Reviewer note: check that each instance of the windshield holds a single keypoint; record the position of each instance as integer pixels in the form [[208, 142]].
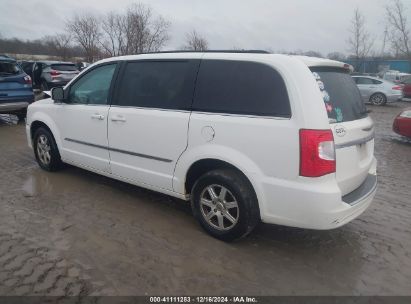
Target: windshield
[[342, 98], [64, 67], [9, 68]]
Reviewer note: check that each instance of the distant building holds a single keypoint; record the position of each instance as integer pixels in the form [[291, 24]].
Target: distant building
[[379, 65]]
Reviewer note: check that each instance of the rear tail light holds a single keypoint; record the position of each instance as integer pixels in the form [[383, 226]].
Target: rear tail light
[[54, 73], [397, 88], [317, 153], [27, 79]]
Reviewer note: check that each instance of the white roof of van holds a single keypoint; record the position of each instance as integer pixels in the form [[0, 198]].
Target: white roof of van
[[309, 61]]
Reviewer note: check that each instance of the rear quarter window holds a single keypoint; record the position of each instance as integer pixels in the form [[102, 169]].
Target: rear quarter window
[[341, 96], [240, 87]]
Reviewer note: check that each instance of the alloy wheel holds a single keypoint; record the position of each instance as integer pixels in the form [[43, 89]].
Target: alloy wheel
[[43, 150], [219, 207]]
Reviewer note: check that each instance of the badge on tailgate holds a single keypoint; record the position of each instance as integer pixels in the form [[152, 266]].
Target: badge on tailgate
[[340, 130]]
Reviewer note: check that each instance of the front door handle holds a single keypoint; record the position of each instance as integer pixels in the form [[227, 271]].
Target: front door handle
[[118, 118], [97, 116]]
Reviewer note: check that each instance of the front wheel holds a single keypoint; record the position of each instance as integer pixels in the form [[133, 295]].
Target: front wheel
[[225, 205], [378, 99], [46, 151]]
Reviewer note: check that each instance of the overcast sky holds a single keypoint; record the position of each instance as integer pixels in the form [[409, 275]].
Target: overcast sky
[[288, 25]]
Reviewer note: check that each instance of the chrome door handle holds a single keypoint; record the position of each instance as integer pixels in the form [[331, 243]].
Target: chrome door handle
[[97, 116], [118, 118]]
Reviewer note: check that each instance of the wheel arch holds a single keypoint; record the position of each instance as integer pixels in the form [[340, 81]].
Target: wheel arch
[[202, 166], [38, 122]]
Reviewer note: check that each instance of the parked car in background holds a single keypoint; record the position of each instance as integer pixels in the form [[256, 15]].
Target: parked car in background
[[395, 76], [16, 91], [406, 89], [378, 91], [402, 123], [82, 65], [50, 74], [27, 66], [244, 136]]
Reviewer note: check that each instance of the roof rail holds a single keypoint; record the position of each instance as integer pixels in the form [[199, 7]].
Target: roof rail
[[212, 51]]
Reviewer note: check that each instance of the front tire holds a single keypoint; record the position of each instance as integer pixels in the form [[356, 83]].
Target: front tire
[[378, 99], [224, 203], [46, 151]]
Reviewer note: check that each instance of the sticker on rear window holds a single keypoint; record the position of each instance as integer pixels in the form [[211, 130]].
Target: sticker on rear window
[[321, 85], [316, 76]]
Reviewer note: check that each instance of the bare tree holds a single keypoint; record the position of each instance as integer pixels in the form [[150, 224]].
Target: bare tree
[[136, 31], [85, 29], [195, 42], [336, 56], [400, 34], [360, 41], [113, 36], [313, 54], [59, 45]]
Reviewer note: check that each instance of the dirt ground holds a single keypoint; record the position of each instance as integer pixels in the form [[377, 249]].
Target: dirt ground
[[77, 233]]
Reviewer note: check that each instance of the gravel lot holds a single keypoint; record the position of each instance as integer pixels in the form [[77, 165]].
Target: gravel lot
[[77, 233]]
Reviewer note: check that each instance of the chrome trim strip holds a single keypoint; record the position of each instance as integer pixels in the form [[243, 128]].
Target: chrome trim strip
[[355, 142], [119, 151]]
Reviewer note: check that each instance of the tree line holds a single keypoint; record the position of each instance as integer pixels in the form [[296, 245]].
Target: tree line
[[396, 39], [134, 31], [138, 29]]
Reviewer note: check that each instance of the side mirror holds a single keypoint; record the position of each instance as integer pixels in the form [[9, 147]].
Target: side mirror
[[57, 94]]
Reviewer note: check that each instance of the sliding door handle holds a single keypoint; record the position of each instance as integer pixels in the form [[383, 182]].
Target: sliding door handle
[[118, 118], [97, 116]]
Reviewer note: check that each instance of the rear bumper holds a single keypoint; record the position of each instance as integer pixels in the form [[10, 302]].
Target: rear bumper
[[402, 126], [394, 97], [14, 105], [317, 206], [55, 83]]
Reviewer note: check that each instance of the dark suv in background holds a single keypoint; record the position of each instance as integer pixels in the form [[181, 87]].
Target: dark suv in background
[[50, 74], [16, 91]]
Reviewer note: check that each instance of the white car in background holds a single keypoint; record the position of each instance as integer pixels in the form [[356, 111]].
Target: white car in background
[[378, 91], [244, 136]]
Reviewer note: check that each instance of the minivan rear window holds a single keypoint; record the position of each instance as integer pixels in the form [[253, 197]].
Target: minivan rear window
[[241, 87], [340, 93], [64, 67], [9, 68]]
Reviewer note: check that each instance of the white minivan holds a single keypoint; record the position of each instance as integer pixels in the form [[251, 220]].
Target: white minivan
[[245, 136]]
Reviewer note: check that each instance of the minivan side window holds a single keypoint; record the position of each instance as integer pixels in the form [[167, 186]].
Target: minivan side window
[[241, 87], [158, 84], [93, 87]]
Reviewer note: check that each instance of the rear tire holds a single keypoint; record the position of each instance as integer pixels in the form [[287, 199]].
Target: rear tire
[[378, 99], [46, 151], [44, 86], [224, 203]]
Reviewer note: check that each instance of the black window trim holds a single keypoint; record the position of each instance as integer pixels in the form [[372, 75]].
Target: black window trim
[[112, 84], [120, 76], [246, 115]]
